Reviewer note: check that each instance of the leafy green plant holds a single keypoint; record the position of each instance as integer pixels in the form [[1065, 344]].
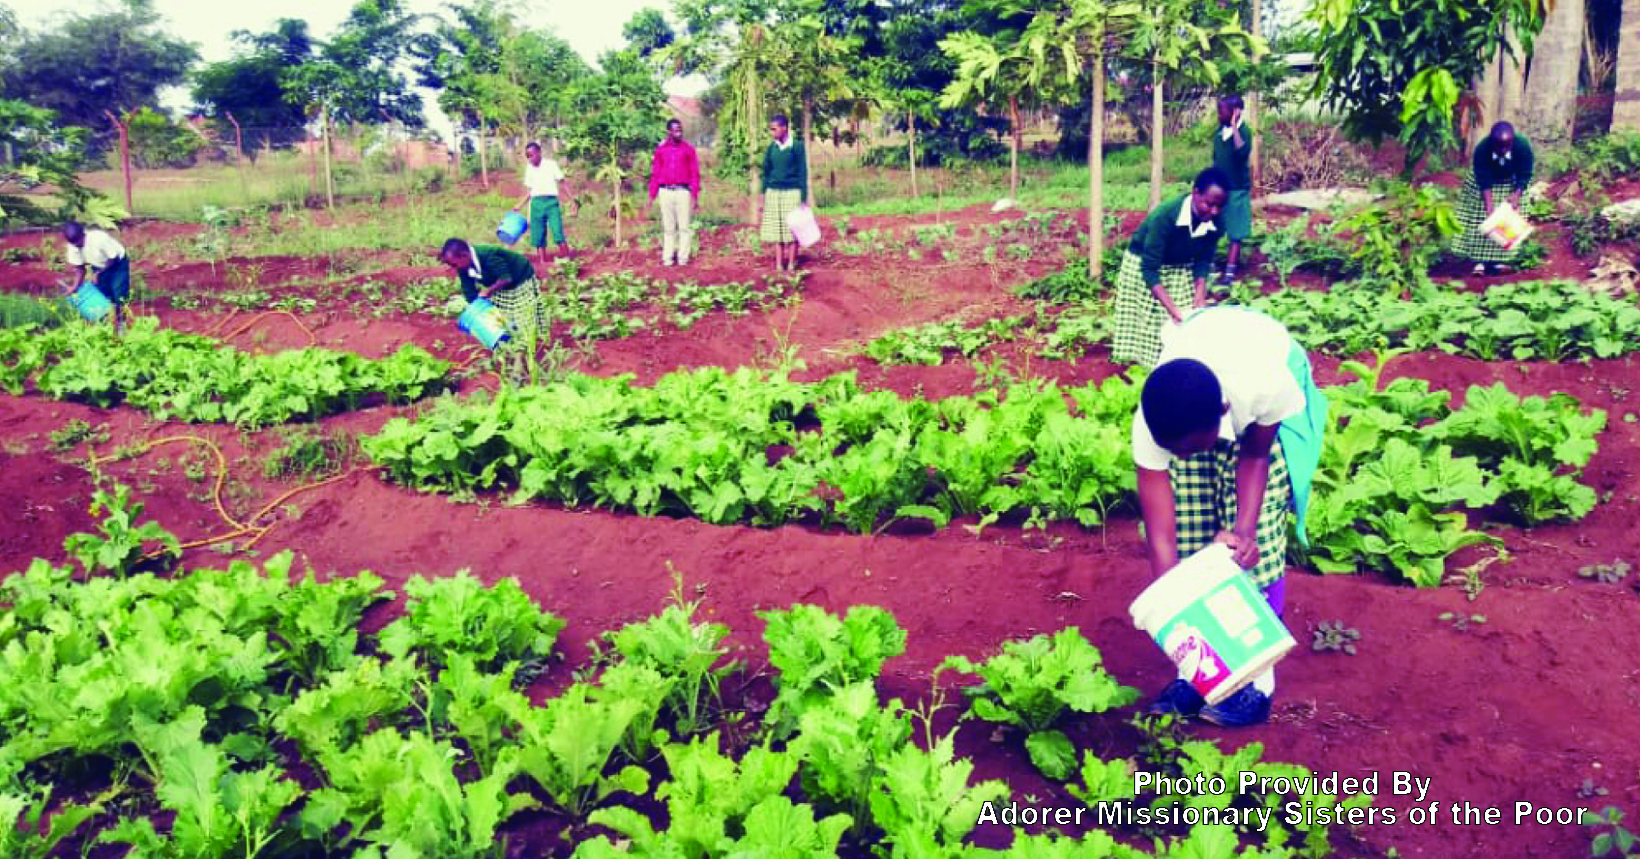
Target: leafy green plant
[[1031, 684], [1611, 838], [684, 651], [308, 453], [1538, 445], [118, 545], [28, 841], [1334, 635], [1461, 621], [457, 614], [818, 653], [1394, 243], [923, 800]]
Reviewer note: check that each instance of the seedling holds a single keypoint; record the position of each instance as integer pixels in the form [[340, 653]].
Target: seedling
[[1611, 839], [1606, 574], [76, 432], [1460, 621], [1334, 635], [1589, 790]]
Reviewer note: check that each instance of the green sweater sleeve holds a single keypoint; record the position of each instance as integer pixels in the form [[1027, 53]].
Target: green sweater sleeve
[[768, 166], [1481, 163], [1525, 161], [469, 288], [1153, 245], [518, 267]]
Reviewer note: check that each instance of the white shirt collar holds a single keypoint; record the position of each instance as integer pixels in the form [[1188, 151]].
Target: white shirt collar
[[476, 271], [784, 144], [1229, 131], [1196, 230]]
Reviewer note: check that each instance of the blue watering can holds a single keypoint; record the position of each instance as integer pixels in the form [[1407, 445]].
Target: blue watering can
[[90, 302], [513, 227], [484, 321]]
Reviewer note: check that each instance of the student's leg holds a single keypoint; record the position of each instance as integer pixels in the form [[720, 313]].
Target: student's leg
[[669, 226], [538, 227], [1195, 481], [768, 231], [1232, 258], [114, 282], [555, 222]]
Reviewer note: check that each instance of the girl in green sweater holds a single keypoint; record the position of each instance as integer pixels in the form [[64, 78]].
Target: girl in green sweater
[[1164, 270], [785, 188]]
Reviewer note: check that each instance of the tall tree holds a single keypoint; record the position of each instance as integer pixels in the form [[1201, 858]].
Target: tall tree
[[817, 74], [1626, 107], [1174, 39], [359, 74], [37, 152], [1394, 67], [648, 32], [113, 60], [1551, 86], [993, 70], [616, 114], [248, 86]]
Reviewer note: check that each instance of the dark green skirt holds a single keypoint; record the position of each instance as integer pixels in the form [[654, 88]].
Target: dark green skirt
[[1238, 215]]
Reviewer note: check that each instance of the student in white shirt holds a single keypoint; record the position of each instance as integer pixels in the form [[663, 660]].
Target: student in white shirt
[[1226, 441], [95, 251], [543, 184]]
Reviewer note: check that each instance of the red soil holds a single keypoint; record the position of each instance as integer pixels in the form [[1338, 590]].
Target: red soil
[[1521, 708]]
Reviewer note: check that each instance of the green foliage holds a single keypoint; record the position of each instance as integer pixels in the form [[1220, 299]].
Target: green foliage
[[309, 453], [1032, 684], [43, 152], [923, 801], [1396, 242], [157, 141], [457, 615], [1544, 320], [118, 546], [1395, 69], [357, 76], [1609, 574], [685, 652], [697, 443], [77, 432], [1334, 635], [929, 344], [1069, 285], [818, 654], [172, 375], [19, 310], [247, 85], [1611, 838]]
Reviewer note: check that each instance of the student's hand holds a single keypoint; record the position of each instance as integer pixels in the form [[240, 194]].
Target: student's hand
[[1243, 547], [1235, 117], [1514, 200]]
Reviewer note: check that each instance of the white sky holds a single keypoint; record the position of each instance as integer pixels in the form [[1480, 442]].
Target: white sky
[[591, 28]]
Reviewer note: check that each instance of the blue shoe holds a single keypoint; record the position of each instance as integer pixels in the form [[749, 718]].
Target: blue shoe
[[1178, 697], [1247, 707]]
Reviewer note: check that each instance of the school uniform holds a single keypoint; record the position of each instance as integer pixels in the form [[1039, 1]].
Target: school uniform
[[1504, 174], [520, 303], [785, 187], [1173, 249], [674, 181], [105, 256], [1265, 379], [1236, 162], [545, 212]]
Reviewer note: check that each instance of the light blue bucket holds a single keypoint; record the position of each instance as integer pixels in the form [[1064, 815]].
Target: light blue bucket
[[513, 227], [90, 302], [484, 321]]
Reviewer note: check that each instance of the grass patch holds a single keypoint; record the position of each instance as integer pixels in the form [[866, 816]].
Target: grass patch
[[19, 310], [77, 432], [307, 453]]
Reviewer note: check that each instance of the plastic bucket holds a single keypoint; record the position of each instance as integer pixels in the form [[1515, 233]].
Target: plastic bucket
[[803, 225], [513, 227], [1214, 624], [1506, 227], [90, 302], [484, 321]]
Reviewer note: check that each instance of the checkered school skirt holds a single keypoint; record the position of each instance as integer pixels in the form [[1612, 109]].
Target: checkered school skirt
[[521, 307], [1137, 334], [1469, 243], [1204, 503], [777, 204]]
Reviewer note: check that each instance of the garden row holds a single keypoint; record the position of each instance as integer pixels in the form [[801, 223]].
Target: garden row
[[1542, 320], [187, 377], [239, 712], [1399, 469]]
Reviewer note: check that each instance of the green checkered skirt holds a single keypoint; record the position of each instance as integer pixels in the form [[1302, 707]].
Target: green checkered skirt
[[1238, 215], [1137, 334], [1469, 243], [1204, 503], [777, 204], [521, 307]]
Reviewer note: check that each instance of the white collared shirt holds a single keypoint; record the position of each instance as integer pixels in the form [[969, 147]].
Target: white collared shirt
[[100, 249], [1229, 131], [542, 179], [1196, 230], [784, 144], [476, 272], [1248, 352]]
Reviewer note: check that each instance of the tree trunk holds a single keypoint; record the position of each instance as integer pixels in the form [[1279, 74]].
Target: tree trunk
[[1254, 102], [483, 159], [617, 184], [1488, 95], [751, 104], [1626, 108], [1096, 171], [330, 179], [313, 165], [808, 143], [1512, 80], [1156, 134], [1013, 157], [1551, 91], [911, 137]]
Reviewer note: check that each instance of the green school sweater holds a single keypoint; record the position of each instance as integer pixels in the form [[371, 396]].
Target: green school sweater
[[785, 169], [495, 263], [1517, 170], [1160, 241], [1235, 161]]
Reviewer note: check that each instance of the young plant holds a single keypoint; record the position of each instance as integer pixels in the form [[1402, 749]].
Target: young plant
[[76, 432], [1334, 635], [1461, 621], [1031, 684], [1611, 838], [118, 546], [459, 615], [818, 654], [685, 652], [1606, 574]]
